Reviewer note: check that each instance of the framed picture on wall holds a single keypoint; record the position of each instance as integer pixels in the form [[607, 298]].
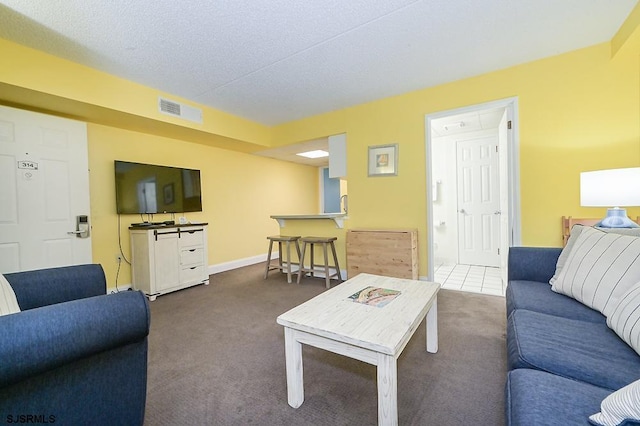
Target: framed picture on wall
[[383, 160]]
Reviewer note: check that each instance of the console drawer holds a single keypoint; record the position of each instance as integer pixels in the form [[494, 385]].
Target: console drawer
[[191, 237], [192, 256], [192, 275]]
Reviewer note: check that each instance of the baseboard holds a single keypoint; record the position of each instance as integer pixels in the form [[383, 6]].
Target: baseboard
[[247, 261], [239, 263], [235, 264]]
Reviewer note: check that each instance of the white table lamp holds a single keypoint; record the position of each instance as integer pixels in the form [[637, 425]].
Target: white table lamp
[[614, 187]]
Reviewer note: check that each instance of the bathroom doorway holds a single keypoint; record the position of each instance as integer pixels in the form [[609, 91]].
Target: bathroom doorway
[[473, 206]]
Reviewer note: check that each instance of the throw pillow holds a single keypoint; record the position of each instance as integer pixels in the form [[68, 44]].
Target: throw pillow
[[8, 301], [623, 404], [576, 230], [625, 318], [600, 268]]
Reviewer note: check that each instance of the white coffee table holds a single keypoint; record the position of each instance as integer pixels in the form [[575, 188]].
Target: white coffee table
[[372, 334]]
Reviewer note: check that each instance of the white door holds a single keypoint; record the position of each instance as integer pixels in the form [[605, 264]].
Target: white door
[[478, 202], [44, 186]]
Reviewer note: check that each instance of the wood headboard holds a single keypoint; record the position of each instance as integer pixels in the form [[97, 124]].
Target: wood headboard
[[569, 221]]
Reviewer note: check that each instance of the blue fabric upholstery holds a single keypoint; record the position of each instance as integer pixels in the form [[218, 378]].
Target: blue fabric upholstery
[[563, 358], [108, 388], [81, 361], [532, 263], [537, 398], [43, 287], [538, 297], [66, 333], [579, 350]]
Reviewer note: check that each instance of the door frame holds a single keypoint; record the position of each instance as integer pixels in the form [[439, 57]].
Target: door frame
[[512, 154]]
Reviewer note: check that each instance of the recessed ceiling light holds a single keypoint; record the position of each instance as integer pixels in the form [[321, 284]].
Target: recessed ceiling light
[[318, 153]]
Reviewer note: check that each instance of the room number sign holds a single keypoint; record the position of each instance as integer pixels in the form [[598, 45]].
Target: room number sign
[[27, 169], [28, 165]]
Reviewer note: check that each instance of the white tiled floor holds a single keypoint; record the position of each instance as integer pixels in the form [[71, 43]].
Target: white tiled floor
[[476, 279]]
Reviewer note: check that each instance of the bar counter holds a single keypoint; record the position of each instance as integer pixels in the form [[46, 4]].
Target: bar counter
[[338, 218], [317, 225]]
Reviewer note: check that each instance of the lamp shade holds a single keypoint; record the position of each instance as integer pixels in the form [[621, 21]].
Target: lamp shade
[[609, 188]]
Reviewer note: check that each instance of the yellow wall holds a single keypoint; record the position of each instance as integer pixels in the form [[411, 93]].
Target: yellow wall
[[626, 41], [38, 80], [577, 111], [240, 192]]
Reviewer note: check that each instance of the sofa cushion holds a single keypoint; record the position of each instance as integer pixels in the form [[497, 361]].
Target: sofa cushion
[[538, 296], [576, 230], [64, 333], [622, 405], [532, 263], [625, 319], [538, 398], [8, 301], [600, 268], [49, 286], [585, 351]]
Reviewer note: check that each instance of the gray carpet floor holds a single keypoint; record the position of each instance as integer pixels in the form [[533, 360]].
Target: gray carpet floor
[[216, 357]]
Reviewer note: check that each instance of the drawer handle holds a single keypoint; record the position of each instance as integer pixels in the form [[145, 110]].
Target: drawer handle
[[193, 267], [192, 250]]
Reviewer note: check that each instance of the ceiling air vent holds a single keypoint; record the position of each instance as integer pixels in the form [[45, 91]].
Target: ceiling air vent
[[177, 109]]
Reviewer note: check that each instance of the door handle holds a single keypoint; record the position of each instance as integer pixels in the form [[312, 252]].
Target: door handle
[[497, 212], [463, 211], [82, 227]]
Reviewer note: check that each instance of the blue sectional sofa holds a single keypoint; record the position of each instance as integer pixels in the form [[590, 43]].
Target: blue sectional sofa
[[73, 355], [563, 358]]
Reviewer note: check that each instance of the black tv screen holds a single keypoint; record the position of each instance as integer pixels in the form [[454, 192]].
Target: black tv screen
[[149, 189]]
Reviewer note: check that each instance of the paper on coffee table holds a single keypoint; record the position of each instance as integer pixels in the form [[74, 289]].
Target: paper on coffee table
[[374, 296]]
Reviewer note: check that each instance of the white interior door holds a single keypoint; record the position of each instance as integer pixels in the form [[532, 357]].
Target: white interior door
[[478, 184], [44, 186]]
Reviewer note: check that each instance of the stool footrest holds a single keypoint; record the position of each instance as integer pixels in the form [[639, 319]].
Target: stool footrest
[[323, 268], [283, 268], [307, 271]]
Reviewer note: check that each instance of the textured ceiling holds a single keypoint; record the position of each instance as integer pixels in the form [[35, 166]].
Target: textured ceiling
[[273, 61]]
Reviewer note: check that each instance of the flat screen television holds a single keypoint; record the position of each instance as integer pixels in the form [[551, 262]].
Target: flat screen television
[[149, 189]]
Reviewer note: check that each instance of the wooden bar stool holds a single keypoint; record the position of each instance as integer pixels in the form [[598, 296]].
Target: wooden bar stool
[[325, 241], [282, 239]]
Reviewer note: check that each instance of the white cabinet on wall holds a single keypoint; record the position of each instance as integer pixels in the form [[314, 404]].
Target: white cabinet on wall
[[338, 156], [168, 258]]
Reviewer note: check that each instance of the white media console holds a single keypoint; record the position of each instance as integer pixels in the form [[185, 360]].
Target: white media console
[[167, 258]]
